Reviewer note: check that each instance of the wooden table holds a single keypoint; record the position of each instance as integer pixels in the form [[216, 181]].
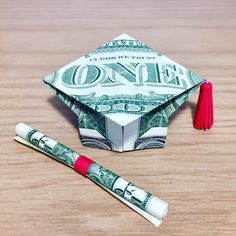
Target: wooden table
[[196, 171]]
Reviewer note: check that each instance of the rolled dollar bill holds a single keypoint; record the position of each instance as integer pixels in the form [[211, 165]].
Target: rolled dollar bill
[[143, 202]]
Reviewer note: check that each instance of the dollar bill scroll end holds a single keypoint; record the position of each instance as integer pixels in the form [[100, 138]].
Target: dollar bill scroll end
[[39, 141], [143, 200], [157, 207], [23, 130]]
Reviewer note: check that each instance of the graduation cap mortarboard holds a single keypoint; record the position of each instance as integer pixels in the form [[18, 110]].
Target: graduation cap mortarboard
[[124, 93]]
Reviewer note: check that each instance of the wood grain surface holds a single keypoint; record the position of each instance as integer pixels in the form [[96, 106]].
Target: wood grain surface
[[196, 171]]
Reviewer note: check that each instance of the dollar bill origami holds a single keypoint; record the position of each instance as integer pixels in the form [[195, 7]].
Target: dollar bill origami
[[123, 93]]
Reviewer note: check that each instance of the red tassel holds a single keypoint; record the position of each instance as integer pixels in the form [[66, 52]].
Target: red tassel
[[203, 117]]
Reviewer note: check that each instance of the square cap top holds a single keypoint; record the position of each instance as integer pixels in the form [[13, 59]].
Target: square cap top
[[123, 76]]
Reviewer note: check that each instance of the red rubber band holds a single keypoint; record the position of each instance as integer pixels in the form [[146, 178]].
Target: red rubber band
[[82, 164]]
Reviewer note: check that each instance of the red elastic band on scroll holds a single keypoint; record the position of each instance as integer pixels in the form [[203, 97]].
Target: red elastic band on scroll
[[82, 164]]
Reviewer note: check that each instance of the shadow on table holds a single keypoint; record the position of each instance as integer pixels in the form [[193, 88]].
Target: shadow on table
[[64, 110], [186, 105]]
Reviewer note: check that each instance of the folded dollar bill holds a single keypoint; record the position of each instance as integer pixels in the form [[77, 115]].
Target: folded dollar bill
[[123, 93], [141, 201]]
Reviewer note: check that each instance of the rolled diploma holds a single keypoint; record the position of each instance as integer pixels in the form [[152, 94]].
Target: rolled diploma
[[149, 206]]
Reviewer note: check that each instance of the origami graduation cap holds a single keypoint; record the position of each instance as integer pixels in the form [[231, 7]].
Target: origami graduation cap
[[124, 93]]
